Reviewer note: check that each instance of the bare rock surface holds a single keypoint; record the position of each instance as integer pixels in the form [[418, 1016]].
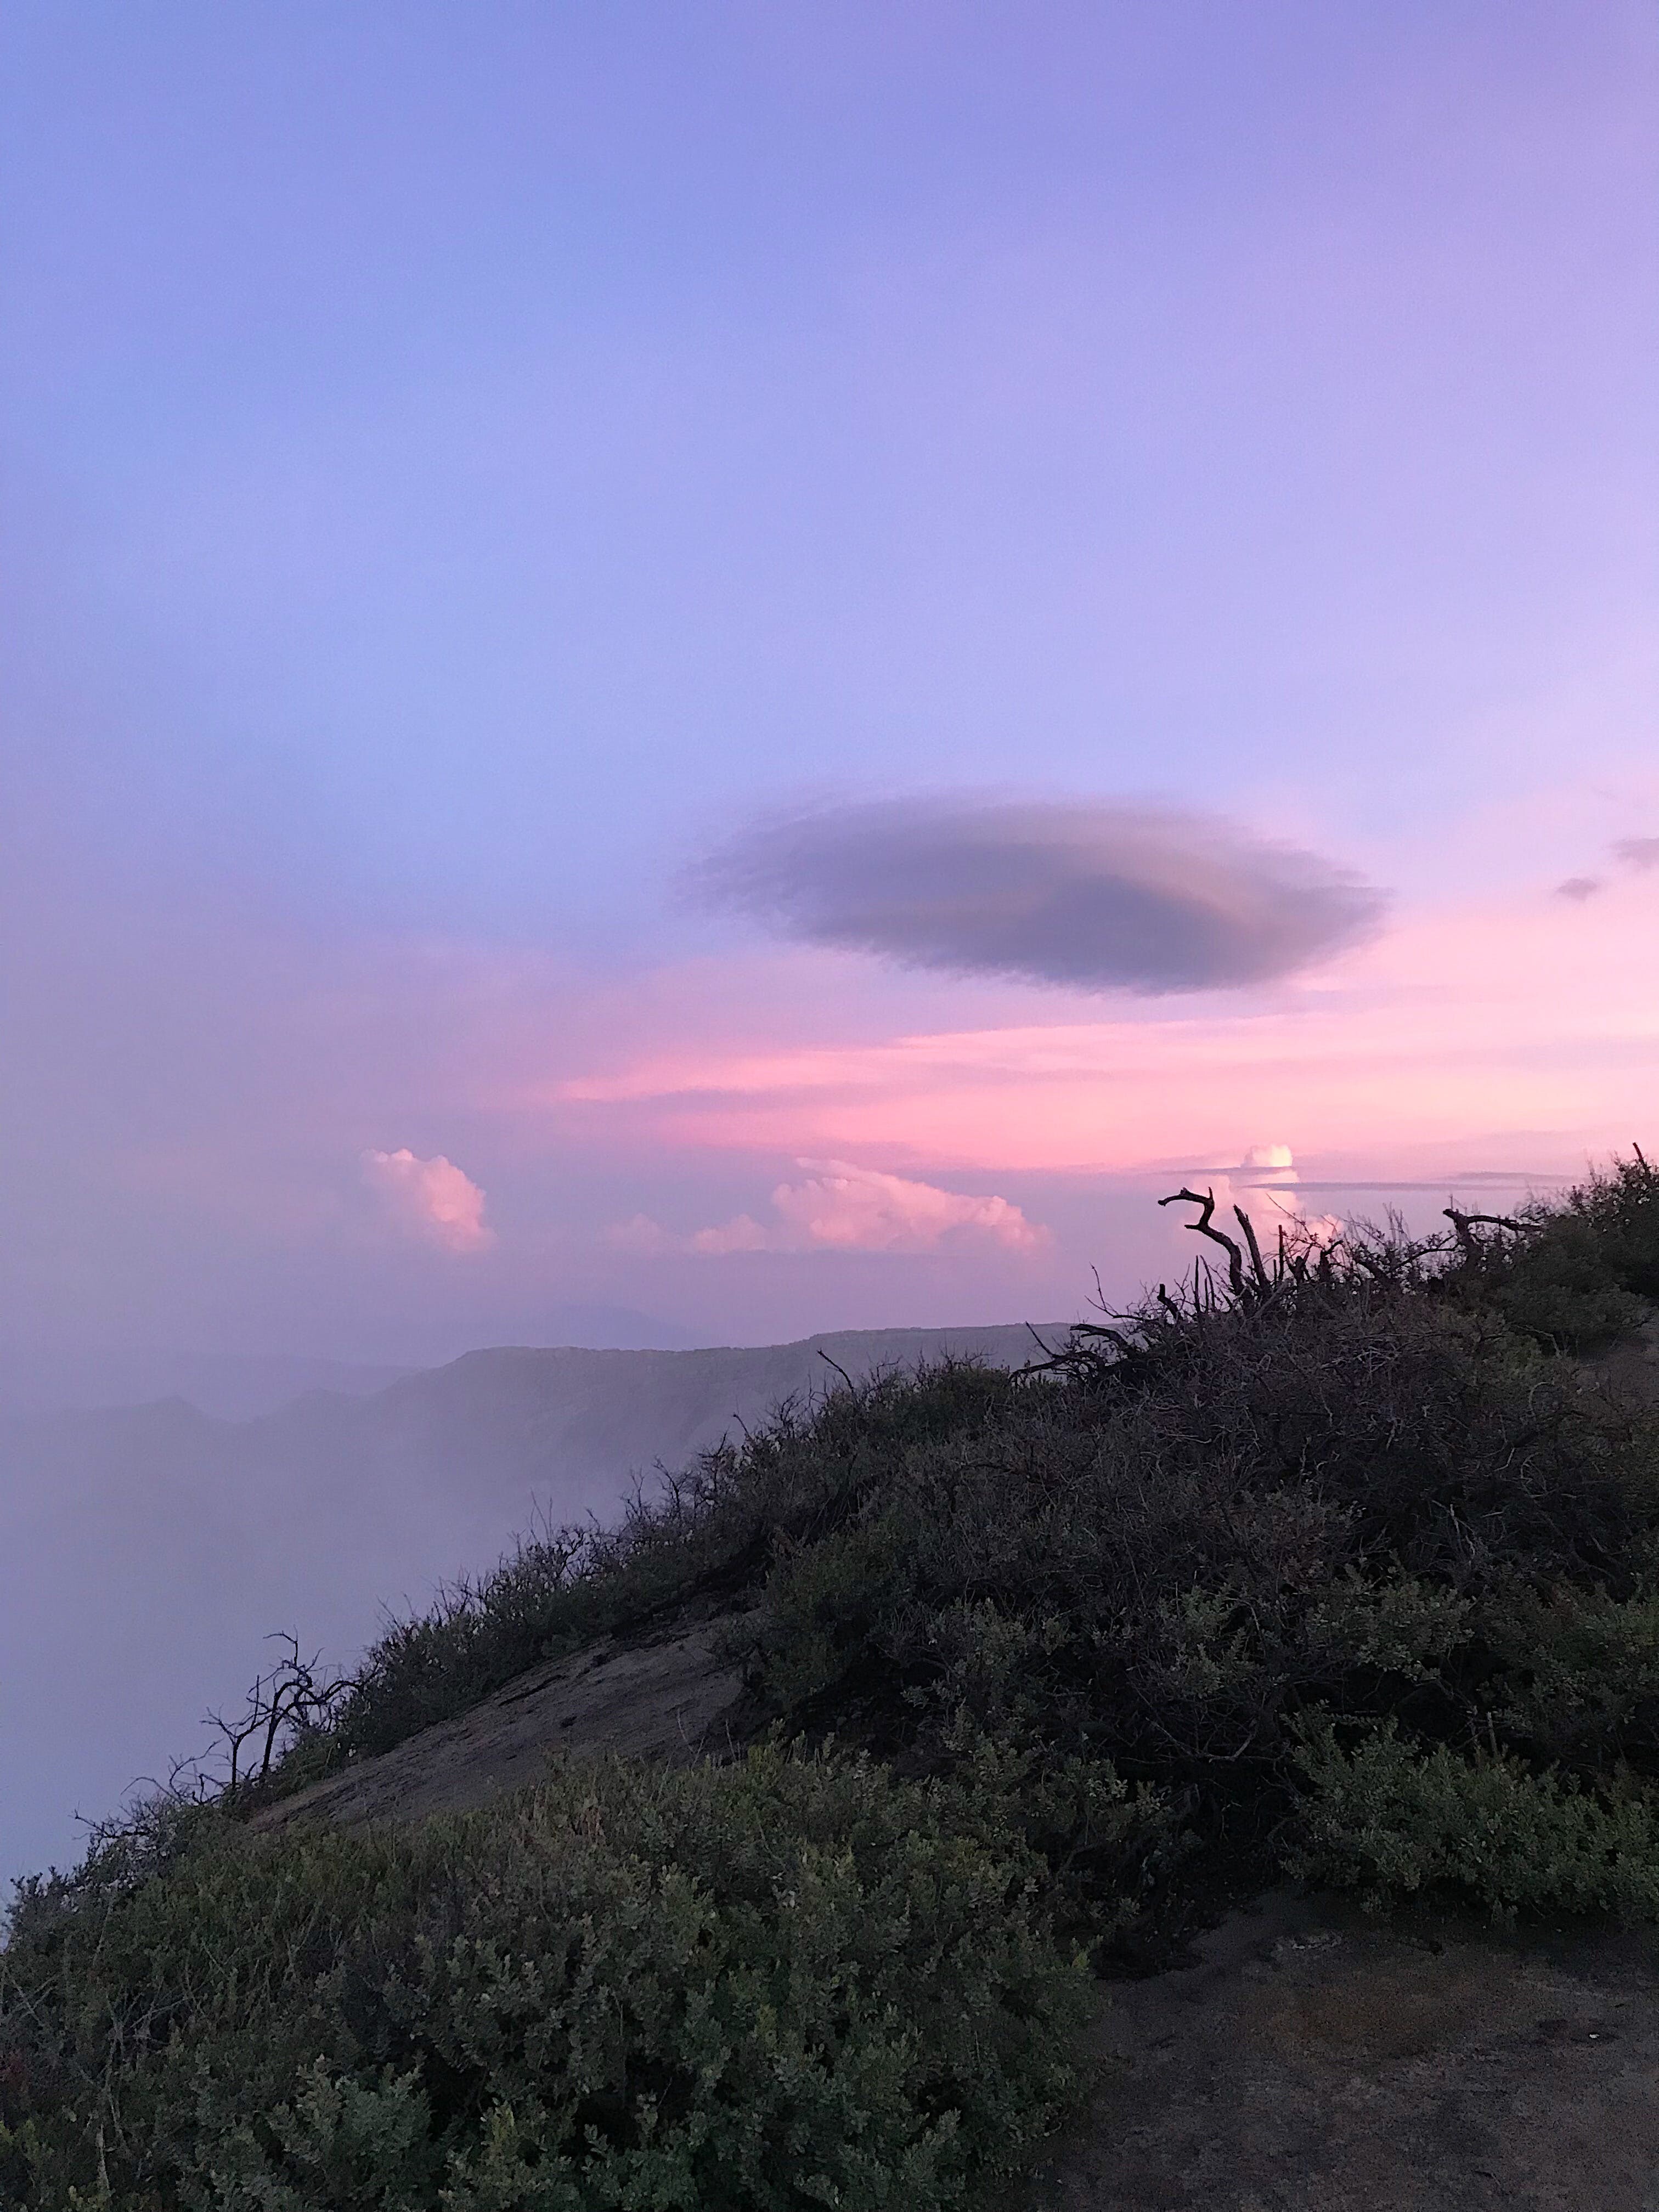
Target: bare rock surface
[[664, 1700], [1314, 2062]]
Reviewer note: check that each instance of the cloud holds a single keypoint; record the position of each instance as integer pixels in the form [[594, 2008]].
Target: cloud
[[1272, 1205], [1269, 1156], [1093, 896], [843, 1208], [857, 1209], [1279, 1207], [1639, 854], [1486, 1034], [433, 1198], [744, 1234], [642, 1234]]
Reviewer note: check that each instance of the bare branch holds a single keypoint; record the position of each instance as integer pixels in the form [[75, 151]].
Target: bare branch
[[1248, 1227], [839, 1369], [1205, 1201], [1464, 1226]]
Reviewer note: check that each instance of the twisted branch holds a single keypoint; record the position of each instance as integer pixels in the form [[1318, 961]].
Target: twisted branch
[[1204, 1226]]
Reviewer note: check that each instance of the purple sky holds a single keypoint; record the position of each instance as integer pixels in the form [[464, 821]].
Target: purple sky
[[755, 662]]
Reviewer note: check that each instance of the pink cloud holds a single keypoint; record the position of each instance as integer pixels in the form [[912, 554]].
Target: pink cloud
[[433, 1198], [1269, 1156], [742, 1234], [841, 1207], [1264, 1187], [861, 1210]]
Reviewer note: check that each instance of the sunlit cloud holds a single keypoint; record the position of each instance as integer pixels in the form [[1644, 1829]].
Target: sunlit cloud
[[842, 1207], [1269, 1156], [1263, 1186], [1091, 896], [859, 1209], [431, 1199]]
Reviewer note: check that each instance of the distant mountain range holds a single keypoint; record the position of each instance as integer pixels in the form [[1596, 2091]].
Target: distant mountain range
[[145, 1551], [58, 1378]]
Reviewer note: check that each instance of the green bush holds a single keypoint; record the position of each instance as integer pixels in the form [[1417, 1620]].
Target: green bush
[[1576, 1273], [1386, 1416], [1577, 1675], [1392, 1819], [791, 1982], [1322, 1500]]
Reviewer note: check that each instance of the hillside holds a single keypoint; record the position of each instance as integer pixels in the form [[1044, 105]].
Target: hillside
[[145, 1552], [1286, 1653]]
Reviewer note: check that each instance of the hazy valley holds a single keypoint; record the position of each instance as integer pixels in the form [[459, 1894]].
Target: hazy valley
[[186, 1540]]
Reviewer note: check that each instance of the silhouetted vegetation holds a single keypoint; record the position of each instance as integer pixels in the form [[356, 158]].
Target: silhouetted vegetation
[[1335, 1562]]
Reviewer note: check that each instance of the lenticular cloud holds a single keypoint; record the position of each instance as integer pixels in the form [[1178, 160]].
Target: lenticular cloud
[[1100, 897]]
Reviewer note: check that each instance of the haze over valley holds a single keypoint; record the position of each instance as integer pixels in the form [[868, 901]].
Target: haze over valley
[[146, 1550]]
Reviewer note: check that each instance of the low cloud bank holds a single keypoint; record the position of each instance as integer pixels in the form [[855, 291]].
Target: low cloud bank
[[1096, 897], [843, 1208], [431, 1198]]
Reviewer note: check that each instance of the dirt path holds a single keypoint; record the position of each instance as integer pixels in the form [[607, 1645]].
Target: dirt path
[[664, 1700], [1313, 2061]]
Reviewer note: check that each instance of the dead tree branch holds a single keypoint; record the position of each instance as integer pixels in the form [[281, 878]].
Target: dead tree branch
[[286, 1702], [1245, 1222], [1204, 1226], [1464, 1226]]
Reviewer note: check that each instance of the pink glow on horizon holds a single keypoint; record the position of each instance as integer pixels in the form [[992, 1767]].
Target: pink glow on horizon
[[1535, 1016]]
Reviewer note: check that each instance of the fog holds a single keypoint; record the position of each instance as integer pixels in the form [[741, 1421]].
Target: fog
[[146, 1550]]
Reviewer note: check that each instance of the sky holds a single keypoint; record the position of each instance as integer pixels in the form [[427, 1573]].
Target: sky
[[762, 666]]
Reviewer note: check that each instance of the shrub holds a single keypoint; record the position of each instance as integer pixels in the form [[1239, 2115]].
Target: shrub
[[795, 1981], [1163, 1565], [1574, 1273], [1349, 1482], [1201, 1495], [1576, 1671], [1393, 1817]]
